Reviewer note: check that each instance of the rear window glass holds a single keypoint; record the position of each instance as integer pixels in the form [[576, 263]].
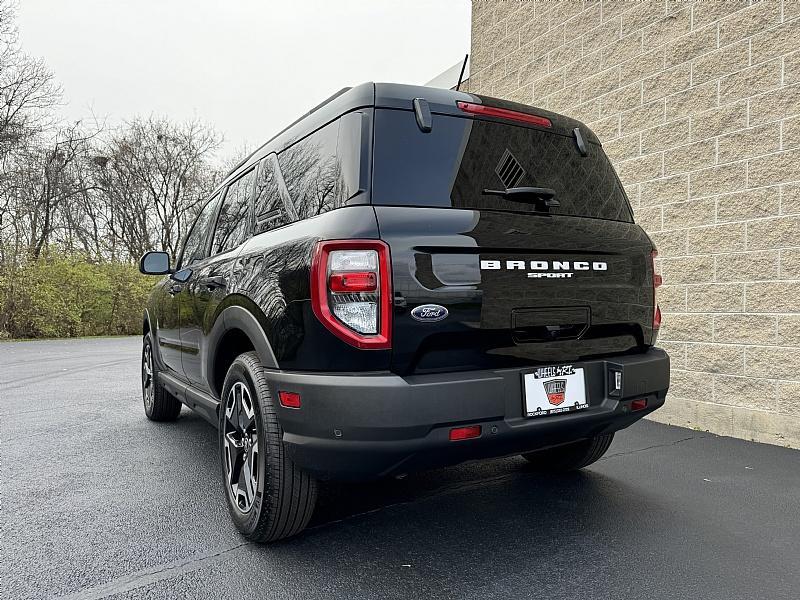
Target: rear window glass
[[461, 157]]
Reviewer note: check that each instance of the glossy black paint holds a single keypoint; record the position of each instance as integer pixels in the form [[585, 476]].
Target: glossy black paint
[[438, 263], [274, 272], [314, 181]]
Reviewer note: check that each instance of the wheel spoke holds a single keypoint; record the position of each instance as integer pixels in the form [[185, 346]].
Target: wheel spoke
[[147, 377], [240, 440], [247, 473], [232, 410], [247, 413], [235, 450]]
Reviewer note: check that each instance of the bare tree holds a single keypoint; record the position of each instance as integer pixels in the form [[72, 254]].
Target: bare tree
[[28, 90], [46, 183], [155, 175]]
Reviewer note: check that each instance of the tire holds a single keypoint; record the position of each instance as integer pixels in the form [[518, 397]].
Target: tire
[[268, 497], [159, 405], [570, 457]]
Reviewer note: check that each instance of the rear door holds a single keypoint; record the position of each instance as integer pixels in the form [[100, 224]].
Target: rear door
[[522, 284], [210, 277]]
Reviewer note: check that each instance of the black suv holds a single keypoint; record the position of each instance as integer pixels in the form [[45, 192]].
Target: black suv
[[406, 277]]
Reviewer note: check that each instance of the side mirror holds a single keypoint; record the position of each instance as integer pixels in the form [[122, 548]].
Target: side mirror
[[155, 263]]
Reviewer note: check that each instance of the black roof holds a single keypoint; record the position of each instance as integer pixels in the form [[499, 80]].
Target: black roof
[[395, 95]]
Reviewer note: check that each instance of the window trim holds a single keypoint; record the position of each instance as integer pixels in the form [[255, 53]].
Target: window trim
[[250, 202]]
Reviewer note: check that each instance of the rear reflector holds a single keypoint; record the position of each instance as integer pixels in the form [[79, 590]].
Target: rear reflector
[[289, 399], [465, 433], [639, 404], [503, 113]]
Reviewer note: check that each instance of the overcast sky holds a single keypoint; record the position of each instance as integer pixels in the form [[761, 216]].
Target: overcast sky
[[248, 67]]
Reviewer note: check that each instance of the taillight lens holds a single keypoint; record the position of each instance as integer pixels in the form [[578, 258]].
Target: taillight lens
[[351, 292], [657, 281], [504, 113]]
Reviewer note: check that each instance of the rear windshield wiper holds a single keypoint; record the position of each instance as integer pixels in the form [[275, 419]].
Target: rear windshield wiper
[[542, 196]]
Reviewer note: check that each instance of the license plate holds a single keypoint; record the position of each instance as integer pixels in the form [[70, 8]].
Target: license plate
[[552, 390]]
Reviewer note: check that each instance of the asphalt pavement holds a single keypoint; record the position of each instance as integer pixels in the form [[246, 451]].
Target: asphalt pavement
[[98, 502]]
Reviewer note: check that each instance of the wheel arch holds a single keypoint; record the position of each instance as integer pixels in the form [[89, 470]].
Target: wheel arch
[[146, 327], [236, 330]]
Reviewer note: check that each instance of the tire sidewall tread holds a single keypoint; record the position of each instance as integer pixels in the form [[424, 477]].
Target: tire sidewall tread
[[165, 406], [285, 495]]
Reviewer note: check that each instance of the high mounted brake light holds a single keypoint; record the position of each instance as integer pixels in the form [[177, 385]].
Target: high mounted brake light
[[351, 291], [482, 110]]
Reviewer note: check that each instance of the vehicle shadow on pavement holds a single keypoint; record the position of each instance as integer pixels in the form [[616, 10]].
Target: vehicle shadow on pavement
[[498, 528], [513, 527]]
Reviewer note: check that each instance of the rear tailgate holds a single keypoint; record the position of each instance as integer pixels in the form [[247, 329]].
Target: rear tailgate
[[522, 286]]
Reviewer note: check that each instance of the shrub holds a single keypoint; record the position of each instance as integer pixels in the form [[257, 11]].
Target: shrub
[[68, 296]]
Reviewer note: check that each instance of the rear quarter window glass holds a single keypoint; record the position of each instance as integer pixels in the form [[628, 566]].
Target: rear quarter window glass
[[270, 211], [323, 170], [312, 173], [460, 157]]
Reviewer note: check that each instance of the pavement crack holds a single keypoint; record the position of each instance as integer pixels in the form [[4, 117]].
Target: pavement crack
[[637, 450], [20, 382], [146, 577]]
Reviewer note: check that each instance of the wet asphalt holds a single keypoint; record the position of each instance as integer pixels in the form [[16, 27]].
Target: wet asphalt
[[98, 502]]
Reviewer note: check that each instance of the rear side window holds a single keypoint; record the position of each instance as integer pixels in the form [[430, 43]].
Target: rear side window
[[233, 223], [461, 157], [323, 170], [194, 248], [269, 208]]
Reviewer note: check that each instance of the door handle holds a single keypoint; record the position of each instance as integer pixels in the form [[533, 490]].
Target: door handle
[[175, 288], [214, 282]]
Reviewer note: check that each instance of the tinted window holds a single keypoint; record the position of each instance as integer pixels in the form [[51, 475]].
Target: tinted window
[[319, 175], [269, 208], [194, 248], [460, 157], [233, 223]]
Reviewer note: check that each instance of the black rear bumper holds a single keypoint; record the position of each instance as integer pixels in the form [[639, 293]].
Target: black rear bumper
[[362, 426]]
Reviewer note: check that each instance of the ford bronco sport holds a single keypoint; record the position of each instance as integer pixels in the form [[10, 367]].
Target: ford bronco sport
[[404, 278]]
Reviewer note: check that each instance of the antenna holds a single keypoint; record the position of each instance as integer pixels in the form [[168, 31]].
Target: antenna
[[461, 75]]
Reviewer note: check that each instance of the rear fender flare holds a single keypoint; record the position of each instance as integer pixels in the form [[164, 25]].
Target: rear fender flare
[[238, 317]]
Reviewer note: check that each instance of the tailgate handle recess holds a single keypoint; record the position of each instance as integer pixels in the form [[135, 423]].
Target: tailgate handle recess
[[548, 324]]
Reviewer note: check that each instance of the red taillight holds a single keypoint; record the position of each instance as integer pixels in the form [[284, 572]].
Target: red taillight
[[657, 281], [289, 399], [504, 113], [353, 282], [351, 291], [465, 433], [639, 404]]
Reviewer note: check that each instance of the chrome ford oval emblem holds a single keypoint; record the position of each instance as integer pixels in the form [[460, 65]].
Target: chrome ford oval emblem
[[429, 313]]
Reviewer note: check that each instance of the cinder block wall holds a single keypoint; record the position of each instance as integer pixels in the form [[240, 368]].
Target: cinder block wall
[[697, 104]]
